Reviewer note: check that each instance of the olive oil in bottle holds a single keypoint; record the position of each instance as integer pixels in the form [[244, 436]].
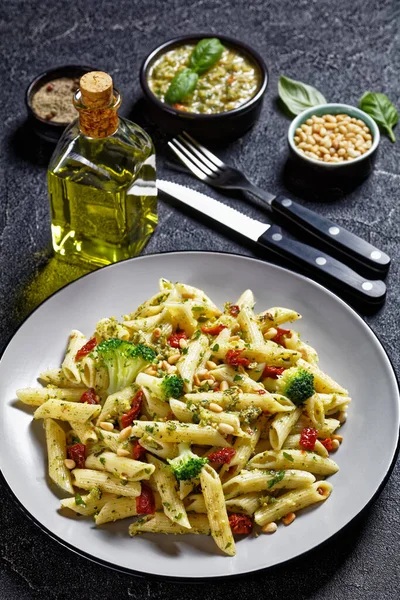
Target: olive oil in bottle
[[102, 180]]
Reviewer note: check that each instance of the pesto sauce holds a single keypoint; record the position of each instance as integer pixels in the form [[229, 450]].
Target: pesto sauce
[[231, 82]]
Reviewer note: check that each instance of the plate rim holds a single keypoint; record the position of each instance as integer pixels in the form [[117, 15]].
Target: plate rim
[[204, 579]]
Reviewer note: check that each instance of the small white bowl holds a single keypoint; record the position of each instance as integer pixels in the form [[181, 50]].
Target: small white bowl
[[359, 166]]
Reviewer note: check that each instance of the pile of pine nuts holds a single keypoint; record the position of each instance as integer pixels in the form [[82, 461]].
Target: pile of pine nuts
[[333, 138]]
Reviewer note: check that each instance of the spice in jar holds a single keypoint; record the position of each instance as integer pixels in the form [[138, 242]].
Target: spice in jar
[[333, 138], [54, 100]]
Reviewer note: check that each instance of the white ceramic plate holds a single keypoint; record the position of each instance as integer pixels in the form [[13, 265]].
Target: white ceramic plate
[[348, 350]]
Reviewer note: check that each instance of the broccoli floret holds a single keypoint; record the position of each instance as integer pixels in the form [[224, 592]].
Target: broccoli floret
[[187, 465], [297, 384], [123, 361], [172, 386]]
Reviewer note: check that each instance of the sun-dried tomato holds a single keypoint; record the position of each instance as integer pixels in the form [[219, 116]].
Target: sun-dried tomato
[[138, 452], [280, 334], [308, 437], [131, 415], [272, 372], [145, 503], [233, 358], [176, 337], [77, 453], [234, 310], [90, 397], [261, 392], [240, 524], [223, 456], [214, 330], [88, 347], [327, 443]]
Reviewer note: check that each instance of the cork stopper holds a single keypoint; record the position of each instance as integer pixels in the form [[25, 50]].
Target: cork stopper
[[96, 89]]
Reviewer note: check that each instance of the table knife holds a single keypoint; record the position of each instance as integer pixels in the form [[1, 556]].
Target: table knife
[[274, 238]]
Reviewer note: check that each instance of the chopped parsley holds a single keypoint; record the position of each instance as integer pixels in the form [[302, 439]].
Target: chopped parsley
[[79, 500], [277, 477], [288, 456]]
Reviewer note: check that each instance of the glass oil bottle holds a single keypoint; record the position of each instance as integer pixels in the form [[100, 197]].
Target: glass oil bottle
[[102, 180]]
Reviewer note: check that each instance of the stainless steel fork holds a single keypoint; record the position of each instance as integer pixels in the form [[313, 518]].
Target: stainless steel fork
[[212, 170]]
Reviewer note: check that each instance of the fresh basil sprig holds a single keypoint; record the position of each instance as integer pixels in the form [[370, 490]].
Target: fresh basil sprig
[[182, 85], [205, 54], [298, 96], [379, 107]]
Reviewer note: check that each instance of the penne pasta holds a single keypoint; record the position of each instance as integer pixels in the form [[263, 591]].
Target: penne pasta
[[126, 468], [292, 502], [90, 478], [216, 510], [67, 411], [159, 523], [56, 455], [70, 366]]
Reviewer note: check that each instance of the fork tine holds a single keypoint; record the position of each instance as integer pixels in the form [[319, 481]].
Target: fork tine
[[188, 145], [214, 159], [193, 158], [191, 166]]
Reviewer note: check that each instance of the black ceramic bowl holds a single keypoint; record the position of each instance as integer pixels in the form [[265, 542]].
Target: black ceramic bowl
[[222, 126], [47, 130]]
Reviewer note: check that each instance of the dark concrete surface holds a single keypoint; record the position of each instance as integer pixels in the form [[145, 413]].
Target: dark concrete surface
[[344, 48]]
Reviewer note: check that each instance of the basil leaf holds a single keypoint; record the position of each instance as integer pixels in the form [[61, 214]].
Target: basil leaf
[[298, 96], [181, 86], [379, 107], [206, 53]]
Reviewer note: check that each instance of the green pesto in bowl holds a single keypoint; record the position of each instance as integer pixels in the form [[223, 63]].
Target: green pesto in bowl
[[230, 83]]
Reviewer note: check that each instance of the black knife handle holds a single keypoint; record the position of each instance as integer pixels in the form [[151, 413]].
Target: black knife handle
[[333, 234], [324, 266]]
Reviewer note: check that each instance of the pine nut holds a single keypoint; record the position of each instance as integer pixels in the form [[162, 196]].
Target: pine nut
[[125, 433], [342, 417], [270, 333], [69, 463], [172, 369], [203, 373], [335, 445], [174, 358], [183, 343], [269, 528], [157, 332], [196, 380], [150, 371], [309, 121], [223, 386], [215, 407], [337, 437], [225, 429], [106, 426], [210, 364], [122, 452], [290, 517]]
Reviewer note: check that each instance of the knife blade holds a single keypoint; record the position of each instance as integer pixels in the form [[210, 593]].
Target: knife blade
[[274, 238]]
